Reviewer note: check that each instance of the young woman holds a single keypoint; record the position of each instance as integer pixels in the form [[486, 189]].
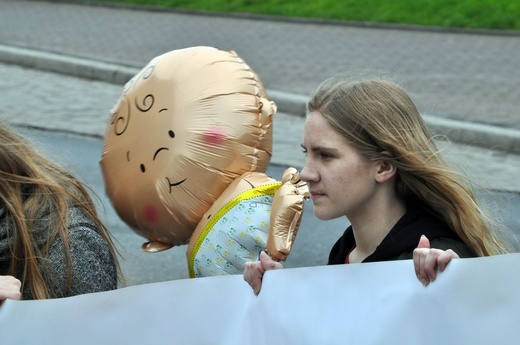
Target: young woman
[[51, 239], [369, 157]]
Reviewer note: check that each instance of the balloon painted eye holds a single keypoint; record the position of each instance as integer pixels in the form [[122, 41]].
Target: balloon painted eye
[[143, 169], [171, 134]]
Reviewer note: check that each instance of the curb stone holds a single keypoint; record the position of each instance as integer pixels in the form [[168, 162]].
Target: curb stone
[[481, 135]]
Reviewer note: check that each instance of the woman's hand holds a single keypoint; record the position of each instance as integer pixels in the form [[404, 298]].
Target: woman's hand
[[10, 288], [254, 271], [428, 260]]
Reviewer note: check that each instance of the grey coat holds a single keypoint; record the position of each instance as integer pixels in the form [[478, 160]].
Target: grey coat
[[93, 266]]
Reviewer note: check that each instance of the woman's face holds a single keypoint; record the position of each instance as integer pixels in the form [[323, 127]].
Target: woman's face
[[341, 181]]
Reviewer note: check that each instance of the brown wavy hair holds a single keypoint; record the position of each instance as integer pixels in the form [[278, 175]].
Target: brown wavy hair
[[379, 118], [29, 184]]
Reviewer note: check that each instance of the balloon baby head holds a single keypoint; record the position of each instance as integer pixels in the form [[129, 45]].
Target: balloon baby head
[[185, 127]]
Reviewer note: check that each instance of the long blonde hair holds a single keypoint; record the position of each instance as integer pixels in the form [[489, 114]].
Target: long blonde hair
[[379, 118], [32, 186]]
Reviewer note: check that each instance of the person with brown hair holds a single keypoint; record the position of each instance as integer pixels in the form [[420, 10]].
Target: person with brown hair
[[51, 238], [370, 157]]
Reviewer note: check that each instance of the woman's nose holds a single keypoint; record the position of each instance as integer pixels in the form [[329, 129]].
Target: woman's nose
[[307, 174]]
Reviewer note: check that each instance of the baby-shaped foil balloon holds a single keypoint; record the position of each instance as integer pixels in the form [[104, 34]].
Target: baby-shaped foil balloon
[[192, 131]]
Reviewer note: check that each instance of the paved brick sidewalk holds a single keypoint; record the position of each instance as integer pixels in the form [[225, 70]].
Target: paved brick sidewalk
[[450, 76], [46, 100], [470, 77]]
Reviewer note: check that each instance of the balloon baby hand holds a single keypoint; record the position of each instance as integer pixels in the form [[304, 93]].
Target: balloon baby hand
[[428, 260], [254, 271]]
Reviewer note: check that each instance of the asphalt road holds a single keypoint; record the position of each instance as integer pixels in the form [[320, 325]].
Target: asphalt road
[[311, 248]]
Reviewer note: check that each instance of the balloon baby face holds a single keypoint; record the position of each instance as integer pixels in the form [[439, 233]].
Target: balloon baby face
[[183, 129]]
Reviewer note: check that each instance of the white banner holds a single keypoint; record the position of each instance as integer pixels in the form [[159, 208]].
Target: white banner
[[475, 301]]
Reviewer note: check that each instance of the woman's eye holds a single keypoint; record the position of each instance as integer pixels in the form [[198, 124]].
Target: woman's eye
[[325, 155]]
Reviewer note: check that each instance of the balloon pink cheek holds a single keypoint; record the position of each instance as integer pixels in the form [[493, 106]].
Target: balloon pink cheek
[[151, 214], [214, 137]]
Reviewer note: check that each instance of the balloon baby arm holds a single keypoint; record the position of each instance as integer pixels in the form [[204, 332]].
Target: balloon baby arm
[[287, 210]]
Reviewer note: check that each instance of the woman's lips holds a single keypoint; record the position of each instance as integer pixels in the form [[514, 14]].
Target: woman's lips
[[316, 195]]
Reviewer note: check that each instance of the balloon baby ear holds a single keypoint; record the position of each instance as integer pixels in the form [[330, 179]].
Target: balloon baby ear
[[184, 128]]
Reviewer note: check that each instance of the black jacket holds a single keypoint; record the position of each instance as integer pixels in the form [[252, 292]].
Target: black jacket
[[403, 239]]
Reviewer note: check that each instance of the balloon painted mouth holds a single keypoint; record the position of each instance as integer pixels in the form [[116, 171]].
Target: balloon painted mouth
[[174, 184]]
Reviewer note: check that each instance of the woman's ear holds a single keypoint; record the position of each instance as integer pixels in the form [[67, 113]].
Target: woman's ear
[[385, 171]]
